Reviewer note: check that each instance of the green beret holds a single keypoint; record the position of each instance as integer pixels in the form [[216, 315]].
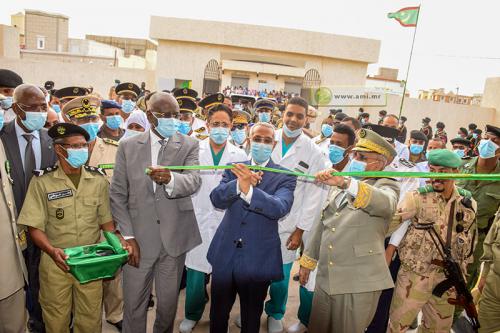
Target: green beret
[[445, 158]]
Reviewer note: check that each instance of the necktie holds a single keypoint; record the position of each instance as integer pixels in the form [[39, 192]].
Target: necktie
[[163, 144], [29, 159]]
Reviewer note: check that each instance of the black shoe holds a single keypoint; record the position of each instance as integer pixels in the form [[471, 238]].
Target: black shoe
[[118, 325], [151, 303]]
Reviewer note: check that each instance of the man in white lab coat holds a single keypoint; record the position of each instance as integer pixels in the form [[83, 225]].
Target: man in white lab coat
[[216, 150], [297, 152]]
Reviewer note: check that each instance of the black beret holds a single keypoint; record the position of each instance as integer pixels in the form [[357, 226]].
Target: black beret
[[9, 79], [185, 93], [211, 101], [460, 141], [418, 135], [490, 129], [64, 130], [365, 114], [70, 92], [388, 133], [403, 118], [426, 120], [49, 85], [382, 112], [110, 104], [128, 87], [463, 130], [472, 126], [340, 116], [440, 124], [186, 104]]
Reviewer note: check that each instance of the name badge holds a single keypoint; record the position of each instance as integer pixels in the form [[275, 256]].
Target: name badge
[[59, 194]]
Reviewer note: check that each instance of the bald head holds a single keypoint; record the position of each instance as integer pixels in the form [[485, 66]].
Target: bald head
[[163, 102], [26, 92]]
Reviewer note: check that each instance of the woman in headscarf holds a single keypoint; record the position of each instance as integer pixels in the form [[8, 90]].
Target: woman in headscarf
[[136, 123]]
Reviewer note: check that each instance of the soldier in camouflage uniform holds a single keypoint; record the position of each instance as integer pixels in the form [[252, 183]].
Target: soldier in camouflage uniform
[[451, 212]]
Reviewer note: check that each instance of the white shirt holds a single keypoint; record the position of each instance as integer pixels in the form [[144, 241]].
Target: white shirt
[[35, 143], [402, 150], [155, 149], [248, 197]]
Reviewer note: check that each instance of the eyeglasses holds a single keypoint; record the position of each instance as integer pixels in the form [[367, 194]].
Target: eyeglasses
[[166, 114], [238, 126], [219, 124], [75, 146], [259, 139], [33, 108]]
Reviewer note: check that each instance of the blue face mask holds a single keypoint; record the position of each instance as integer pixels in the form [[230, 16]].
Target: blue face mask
[[239, 136], [34, 120], [92, 129], [129, 133], [56, 108], [261, 152], [1, 119], [77, 157], [336, 154], [219, 134], [487, 149], [128, 106], [291, 134], [114, 122], [184, 127], [167, 126], [326, 130], [474, 135], [264, 117], [416, 149], [6, 103], [460, 152], [356, 166]]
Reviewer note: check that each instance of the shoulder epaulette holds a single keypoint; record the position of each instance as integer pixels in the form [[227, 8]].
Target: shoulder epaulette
[[465, 193], [201, 136], [95, 170], [42, 172], [406, 163], [425, 189], [320, 140], [200, 130], [110, 141]]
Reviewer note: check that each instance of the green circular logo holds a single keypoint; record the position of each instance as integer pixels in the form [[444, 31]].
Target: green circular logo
[[323, 96]]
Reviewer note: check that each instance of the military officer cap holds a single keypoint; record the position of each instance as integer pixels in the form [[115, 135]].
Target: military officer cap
[[418, 135], [460, 141], [264, 103], [240, 116], [64, 130], [372, 142], [211, 101], [49, 85], [426, 120], [185, 93], [186, 104], [141, 103], [128, 87], [445, 158], [9, 79], [388, 133], [493, 130], [110, 104], [83, 106], [70, 92]]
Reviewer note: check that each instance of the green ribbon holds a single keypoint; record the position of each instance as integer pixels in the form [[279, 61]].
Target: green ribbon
[[364, 174]]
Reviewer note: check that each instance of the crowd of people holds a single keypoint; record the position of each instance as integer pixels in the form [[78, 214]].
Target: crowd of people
[[373, 252], [278, 95]]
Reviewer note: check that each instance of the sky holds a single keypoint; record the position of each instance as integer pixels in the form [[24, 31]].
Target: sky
[[456, 42]]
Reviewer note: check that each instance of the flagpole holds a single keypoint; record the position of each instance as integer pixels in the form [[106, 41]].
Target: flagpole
[[409, 64]]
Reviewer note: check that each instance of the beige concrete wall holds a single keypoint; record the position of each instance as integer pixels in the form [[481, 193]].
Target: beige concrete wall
[[67, 58], [76, 74], [53, 28], [9, 42], [491, 96]]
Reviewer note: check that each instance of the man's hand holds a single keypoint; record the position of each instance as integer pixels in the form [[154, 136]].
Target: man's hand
[[295, 239], [304, 275], [257, 177], [244, 175], [135, 252], [159, 176], [59, 258], [389, 253], [327, 177], [481, 284], [126, 246]]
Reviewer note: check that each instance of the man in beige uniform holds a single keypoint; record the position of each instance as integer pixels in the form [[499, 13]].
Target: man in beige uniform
[[83, 111], [347, 244], [67, 206], [12, 242]]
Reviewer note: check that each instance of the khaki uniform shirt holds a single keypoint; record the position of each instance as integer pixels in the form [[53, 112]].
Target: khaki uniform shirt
[[104, 152], [491, 256], [417, 248], [68, 216]]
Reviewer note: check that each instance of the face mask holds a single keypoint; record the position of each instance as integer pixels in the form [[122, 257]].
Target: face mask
[[291, 134], [239, 136], [416, 149], [487, 149], [56, 108], [336, 154], [184, 127], [427, 154], [128, 106], [356, 166], [219, 134], [6, 103], [34, 120], [459, 152], [1, 119], [474, 135], [129, 133], [92, 129], [261, 152], [167, 126], [363, 121], [114, 122], [77, 157], [326, 130], [264, 117]]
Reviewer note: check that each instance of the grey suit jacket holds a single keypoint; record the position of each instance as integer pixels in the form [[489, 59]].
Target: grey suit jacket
[[9, 139], [156, 219]]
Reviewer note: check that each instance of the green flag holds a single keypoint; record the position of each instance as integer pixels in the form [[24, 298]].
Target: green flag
[[407, 17]]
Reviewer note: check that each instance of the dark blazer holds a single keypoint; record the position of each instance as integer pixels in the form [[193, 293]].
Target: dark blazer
[[255, 224], [9, 139]]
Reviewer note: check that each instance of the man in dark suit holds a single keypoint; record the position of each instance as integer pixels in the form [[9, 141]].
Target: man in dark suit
[[245, 253], [28, 147]]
